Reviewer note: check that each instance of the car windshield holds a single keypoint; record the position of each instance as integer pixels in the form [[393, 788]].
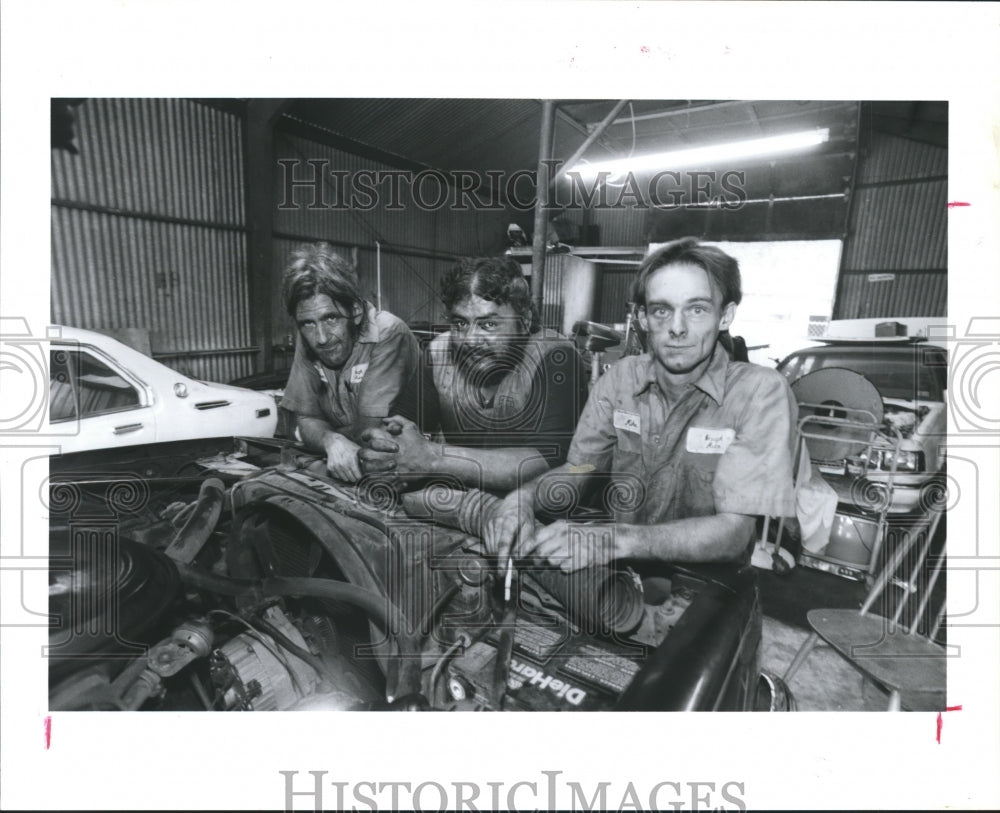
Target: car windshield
[[912, 374]]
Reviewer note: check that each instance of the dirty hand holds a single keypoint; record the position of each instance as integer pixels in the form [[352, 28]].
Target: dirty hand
[[342, 457], [379, 452], [510, 527], [415, 452], [572, 546]]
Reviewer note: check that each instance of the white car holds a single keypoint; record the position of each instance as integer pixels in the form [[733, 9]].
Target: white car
[[103, 393]]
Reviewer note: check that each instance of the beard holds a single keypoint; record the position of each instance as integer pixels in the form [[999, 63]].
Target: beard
[[485, 362]]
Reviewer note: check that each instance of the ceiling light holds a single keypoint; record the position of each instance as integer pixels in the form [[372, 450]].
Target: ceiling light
[[709, 155]]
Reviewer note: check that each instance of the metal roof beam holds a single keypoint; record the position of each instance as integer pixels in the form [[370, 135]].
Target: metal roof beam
[[590, 139]]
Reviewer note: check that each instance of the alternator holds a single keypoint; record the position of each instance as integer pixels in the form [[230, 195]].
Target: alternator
[[253, 672]]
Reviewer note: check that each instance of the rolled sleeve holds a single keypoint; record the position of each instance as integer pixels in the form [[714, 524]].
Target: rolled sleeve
[[754, 475], [595, 437]]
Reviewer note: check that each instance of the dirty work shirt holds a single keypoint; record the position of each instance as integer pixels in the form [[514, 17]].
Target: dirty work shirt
[[535, 405], [725, 447], [379, 378]]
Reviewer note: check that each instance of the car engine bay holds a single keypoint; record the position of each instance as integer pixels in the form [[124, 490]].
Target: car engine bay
[[276, 588]]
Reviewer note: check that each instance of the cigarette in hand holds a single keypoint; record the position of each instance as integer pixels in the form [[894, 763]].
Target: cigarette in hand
[[508, 579]]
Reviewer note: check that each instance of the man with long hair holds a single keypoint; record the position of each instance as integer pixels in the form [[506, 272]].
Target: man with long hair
[[353, 365]]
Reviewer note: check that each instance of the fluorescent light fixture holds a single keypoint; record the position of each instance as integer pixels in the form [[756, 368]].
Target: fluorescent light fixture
[[708, 155]]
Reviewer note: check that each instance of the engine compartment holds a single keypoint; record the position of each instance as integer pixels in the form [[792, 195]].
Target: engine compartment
[[276, 588]]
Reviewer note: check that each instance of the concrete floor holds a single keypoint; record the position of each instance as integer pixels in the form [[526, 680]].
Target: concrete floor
[[825, 682]]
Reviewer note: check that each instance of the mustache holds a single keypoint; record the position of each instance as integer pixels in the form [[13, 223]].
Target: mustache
[[503, 357]]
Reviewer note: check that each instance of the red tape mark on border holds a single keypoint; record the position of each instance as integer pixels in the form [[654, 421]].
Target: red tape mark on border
[[48, 732], [955, 203], [940, 720]]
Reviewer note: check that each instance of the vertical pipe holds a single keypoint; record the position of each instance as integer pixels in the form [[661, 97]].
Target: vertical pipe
[[838, 310], [378, 275], [259, 179], [541, 204]]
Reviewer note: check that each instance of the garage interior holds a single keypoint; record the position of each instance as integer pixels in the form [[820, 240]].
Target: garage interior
[[172, 220]]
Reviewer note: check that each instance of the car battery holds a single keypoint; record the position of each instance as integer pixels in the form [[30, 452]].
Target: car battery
[[557, 666], [551, 669]]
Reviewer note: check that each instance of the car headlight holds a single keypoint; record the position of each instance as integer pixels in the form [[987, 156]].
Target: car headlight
[[906, 460]]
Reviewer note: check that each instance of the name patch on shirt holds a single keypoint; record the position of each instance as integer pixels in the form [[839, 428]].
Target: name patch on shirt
[[628, 421], [358, 373], [709, 441]]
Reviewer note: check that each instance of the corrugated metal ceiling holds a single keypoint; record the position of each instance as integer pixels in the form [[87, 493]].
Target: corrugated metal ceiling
[[502, 134]]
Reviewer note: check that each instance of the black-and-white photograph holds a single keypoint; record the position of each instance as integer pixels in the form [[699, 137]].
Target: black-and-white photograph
[[496, 404], [441, 401]]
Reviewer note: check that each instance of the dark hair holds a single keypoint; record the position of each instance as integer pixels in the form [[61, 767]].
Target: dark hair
[[496, 279], [315, 268], [723, 271]]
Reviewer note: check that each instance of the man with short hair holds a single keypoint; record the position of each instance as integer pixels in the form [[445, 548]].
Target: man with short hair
[[698, 445], [509, 391], [353, 365]]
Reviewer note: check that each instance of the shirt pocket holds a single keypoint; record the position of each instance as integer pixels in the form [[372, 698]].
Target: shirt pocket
[[701, 465], [697, 478], [628, 442], [630, 476]]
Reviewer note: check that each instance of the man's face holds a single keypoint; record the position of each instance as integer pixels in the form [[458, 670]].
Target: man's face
[[683, 317], [484, 334], [326, 328]]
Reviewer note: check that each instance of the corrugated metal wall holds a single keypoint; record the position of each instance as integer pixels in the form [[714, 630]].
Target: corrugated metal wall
[[616, 292], [552, 291], [620, 227], [409, 279], [148, 231], [895, 259]]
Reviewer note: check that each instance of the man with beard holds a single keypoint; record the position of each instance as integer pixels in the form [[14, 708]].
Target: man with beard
[[510, 391], [699, 445], [353, 365]]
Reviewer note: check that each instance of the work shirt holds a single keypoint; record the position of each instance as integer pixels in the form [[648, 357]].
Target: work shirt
[[725, 447], [379, 378], [535, 404]]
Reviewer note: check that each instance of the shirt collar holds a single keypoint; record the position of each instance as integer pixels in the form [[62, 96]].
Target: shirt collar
[[712, 382]]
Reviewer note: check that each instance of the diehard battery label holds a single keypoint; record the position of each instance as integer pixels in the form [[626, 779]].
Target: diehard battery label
[[536, 642], [539, 642], [601, 667]]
